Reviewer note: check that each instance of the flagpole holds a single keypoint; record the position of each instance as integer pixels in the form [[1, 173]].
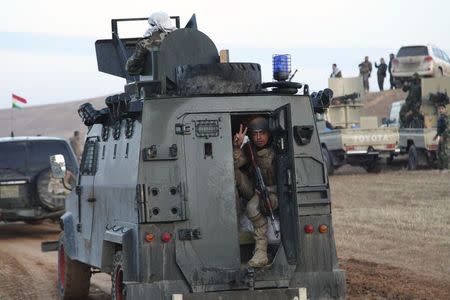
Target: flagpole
[[12, 121]]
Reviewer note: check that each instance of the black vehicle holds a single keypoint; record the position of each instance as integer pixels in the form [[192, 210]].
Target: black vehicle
[[27, 190]]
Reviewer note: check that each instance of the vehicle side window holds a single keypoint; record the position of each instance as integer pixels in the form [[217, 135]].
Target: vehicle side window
[[13, 156], [89, 160], [39, 153], [436, 53], [446, 58]]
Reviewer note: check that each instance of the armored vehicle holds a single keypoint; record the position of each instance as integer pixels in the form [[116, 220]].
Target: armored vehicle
[[155, 205], [418, 143], [27, 190], [346, 137]]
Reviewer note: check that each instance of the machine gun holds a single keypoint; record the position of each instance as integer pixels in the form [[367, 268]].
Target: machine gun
[[346, 98], [321, 100], [266, 207]]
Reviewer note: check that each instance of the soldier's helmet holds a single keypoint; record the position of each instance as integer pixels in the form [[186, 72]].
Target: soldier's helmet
[[258, 124]]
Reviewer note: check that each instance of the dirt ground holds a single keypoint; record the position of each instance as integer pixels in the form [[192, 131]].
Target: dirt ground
[[392, 235]]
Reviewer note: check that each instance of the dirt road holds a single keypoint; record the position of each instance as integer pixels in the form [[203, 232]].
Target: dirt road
[[26, 272], [391, 229]]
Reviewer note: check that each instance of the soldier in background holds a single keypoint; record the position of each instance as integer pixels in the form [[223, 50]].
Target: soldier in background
[[365, 69], [160, 27], [77, 144], [410, 111], [381, 73], [336, 73], [443, 133], [265, 158], [391, 78]]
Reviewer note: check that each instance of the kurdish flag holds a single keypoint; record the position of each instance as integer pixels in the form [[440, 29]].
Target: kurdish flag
[[18, 102]]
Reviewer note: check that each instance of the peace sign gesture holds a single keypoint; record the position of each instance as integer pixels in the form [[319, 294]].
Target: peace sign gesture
[[239, 136]]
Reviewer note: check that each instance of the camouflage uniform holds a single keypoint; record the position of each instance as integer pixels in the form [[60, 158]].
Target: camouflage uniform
[[412, 103], [443, 131], [365, 68], [136, 63], [77, 146], [265, 158]]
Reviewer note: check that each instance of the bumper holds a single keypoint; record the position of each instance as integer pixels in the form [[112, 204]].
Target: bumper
[[28, 214], [147, 291], [408, 75]]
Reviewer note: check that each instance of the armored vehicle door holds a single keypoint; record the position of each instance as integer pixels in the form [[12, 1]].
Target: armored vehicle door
[[208, 248], [282, 139], [86, 199]]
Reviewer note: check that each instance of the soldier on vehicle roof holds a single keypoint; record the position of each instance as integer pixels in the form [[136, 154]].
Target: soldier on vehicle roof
[[365, 69], [265, 157], [443, 133], [160, 27]]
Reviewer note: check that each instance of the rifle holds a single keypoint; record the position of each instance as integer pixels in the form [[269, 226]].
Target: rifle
[[261, 187]]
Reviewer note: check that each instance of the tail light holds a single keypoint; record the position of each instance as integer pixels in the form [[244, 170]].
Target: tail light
[[432, 147], [395, 61], [165, 237], [349, 148], [428, 59], [309, 228], [390, 146], [149, 237], [323, 228]]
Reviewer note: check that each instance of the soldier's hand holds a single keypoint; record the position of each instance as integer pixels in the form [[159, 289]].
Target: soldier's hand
[[239, 136]]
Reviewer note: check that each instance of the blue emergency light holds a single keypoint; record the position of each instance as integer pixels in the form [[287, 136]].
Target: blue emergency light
[[281, 64]]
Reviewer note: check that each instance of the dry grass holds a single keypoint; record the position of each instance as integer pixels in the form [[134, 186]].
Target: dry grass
[[399, 218]]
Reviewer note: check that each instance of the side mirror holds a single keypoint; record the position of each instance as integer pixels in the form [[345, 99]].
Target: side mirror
[[58, 165]]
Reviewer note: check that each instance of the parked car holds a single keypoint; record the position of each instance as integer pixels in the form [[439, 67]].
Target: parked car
[[427, 61], [28, 192]]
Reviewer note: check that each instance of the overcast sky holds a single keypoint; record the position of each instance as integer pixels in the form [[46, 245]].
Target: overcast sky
[[47, 50]]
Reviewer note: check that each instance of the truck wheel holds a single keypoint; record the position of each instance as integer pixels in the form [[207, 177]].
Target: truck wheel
[[117, 287], [413, 158], [74, 277], [327, 161], [373, 167], [390, 159]]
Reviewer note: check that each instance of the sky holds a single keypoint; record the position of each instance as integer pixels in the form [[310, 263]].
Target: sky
[[47, 52]]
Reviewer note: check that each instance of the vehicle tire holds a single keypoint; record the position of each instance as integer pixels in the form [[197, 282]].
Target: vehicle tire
[[51, 191], [390, 159], [373, 166], [413, 158], [327, 161], [219, 78], [74, 277], [117, 287], [440, 73]]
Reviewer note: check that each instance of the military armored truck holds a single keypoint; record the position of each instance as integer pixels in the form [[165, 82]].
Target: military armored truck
[[348, 138], [155, 204], [419, 143]]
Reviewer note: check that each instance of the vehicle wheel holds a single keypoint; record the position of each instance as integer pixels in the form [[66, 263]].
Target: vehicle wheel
[[327, 161], [413, 158], [440, 73], [74, 277], [117, 287], [230, 78], [373, 167], [390, 159]]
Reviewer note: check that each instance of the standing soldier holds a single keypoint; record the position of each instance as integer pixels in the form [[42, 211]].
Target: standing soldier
[[265, 158], [381, 73], [160, 26], [365, 69], [411, 108], [76, 144], [391, 78], [443, 132], [336, 73]]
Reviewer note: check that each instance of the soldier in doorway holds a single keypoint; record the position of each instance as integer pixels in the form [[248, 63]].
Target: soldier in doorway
[[77, 144], [265, 158]]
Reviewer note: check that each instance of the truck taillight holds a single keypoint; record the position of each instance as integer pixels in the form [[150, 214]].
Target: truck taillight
[[165, 237], [432, 147], [428, 59], [309, 228], [390, 146], [349, 148], [395, 61]]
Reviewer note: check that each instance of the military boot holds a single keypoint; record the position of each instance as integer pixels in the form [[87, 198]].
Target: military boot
[[259, 258]]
